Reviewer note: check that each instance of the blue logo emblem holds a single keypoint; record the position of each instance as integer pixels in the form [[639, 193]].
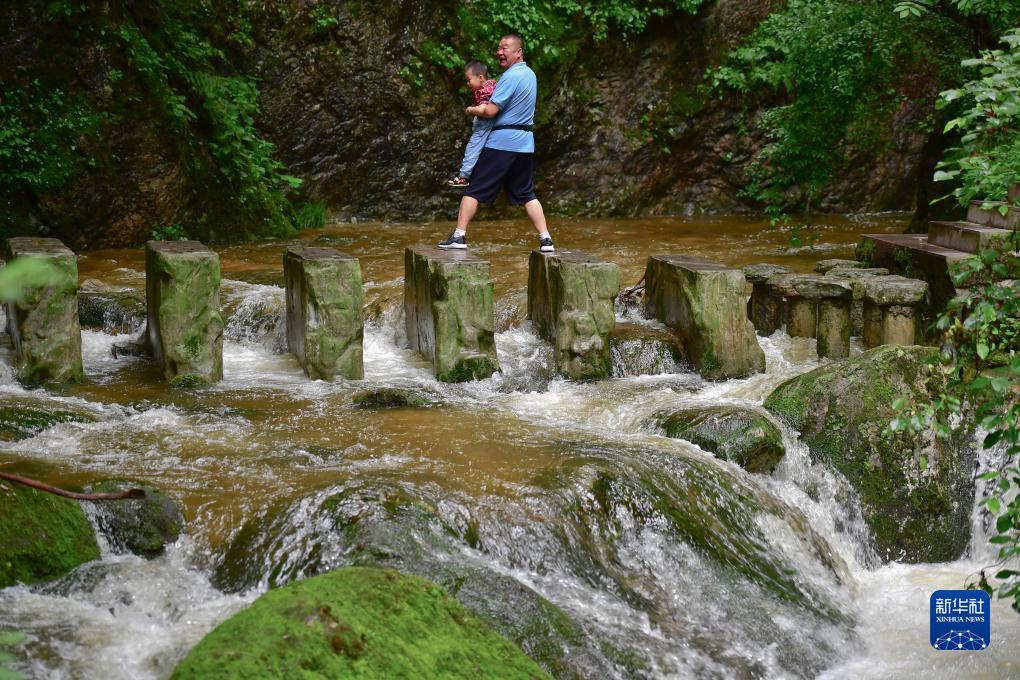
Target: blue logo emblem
[[960, 620]]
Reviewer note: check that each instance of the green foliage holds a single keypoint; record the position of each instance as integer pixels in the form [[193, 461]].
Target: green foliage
[[980, 362], [834, 67], [41, 132], [997, 10], [25, 272], [988, 119], [552, 29], [310, 215], [170, 232]]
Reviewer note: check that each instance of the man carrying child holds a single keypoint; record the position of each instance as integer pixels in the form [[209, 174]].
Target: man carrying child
[[506, 160]]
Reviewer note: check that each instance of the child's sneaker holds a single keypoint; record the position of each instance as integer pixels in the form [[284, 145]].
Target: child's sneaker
[[458, 182], [545, 244], [453, 242]]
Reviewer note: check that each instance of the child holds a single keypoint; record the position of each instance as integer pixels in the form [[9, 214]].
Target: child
[[475, 75]]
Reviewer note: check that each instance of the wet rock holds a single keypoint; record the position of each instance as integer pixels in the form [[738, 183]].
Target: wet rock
[[834, 297], [385, 526], [42, 536], [43, 324], [823, 266], [765, 306], [856, 273], [324, 319], [894, 290], [358, 621], [23, 418], [388, 397], [705, 304], [571, 302], [448, 312], [185, 328], [739, 435], [819, 287], [143, 526], [638, 349], [114, 310], [135, 347], [916, 492]]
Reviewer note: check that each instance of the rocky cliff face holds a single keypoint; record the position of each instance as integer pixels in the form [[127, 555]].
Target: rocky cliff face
[[622, 128]]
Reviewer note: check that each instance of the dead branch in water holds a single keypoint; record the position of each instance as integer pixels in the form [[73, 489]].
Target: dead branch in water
[[115, 496]]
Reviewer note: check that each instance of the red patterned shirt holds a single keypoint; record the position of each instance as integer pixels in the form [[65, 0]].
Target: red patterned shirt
[[484, 93]]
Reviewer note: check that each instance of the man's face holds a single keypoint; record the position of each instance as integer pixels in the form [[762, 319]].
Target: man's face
[[509, 52], [474, 82]]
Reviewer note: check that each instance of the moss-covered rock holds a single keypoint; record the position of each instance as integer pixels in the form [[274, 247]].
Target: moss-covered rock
[[142, 526], [356, 622], [22, 418], [916, 492], [42, 536], [388, 397], [739, 435]]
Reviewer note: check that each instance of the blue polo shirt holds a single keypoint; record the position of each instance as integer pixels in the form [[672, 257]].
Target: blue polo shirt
[[515, 95]]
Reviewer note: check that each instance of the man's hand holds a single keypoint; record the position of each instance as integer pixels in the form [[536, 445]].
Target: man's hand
[[473, 110]]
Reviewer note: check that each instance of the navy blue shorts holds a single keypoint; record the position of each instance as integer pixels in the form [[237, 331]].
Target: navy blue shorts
[[510, 170]]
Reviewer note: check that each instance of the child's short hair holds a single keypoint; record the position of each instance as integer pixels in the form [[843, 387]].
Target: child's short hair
[[476, 68]]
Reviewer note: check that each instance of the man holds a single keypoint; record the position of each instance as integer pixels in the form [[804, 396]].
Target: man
[[506, 160]]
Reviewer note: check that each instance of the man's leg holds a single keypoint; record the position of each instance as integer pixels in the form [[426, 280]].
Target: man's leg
[[467, 210], [535, 213]]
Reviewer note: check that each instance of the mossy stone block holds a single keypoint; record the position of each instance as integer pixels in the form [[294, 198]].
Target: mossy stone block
[[571, 302], [356, 622], [42, 536], [706, 304], [325, 328], [43, 323], [449, 313], [916, 492], [184, 324]]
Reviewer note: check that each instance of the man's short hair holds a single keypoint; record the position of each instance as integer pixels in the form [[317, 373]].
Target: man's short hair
[[476, 68], [515, 37]]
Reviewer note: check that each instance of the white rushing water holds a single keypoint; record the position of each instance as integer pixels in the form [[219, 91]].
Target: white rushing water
[[125, 617]]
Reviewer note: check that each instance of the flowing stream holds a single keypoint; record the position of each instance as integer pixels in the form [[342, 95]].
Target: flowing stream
[[669, 562]]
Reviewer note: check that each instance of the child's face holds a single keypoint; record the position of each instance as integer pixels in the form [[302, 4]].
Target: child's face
[[474, 82]]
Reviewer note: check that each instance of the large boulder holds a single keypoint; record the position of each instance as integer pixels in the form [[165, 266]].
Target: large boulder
[[356, 622], [739, 435], [42, 536], [143, 526], [916, 492]]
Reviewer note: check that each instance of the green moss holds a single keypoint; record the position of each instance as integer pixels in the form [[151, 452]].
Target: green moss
[[142, 526], [42, 536], [865, 252], [467, 369], [740, 435], [20, 422], [356, 622], [188, 380]]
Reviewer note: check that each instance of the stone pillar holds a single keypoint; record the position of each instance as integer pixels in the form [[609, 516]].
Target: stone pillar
[[766, 307], [184, 325], [448, 311], [571, 302], [43, 323], [704, 303], [897, 298], [833, 297], [872, 319], [801, 317], [324, 322], [855, 276]]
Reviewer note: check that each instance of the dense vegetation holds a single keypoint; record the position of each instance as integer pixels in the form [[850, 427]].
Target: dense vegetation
[[174, 61]]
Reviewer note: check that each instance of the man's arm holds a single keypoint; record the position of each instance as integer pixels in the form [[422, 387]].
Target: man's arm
[[484, 110]]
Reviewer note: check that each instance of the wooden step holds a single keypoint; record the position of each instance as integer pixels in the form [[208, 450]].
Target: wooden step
[[993, 218], [966, 236]]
